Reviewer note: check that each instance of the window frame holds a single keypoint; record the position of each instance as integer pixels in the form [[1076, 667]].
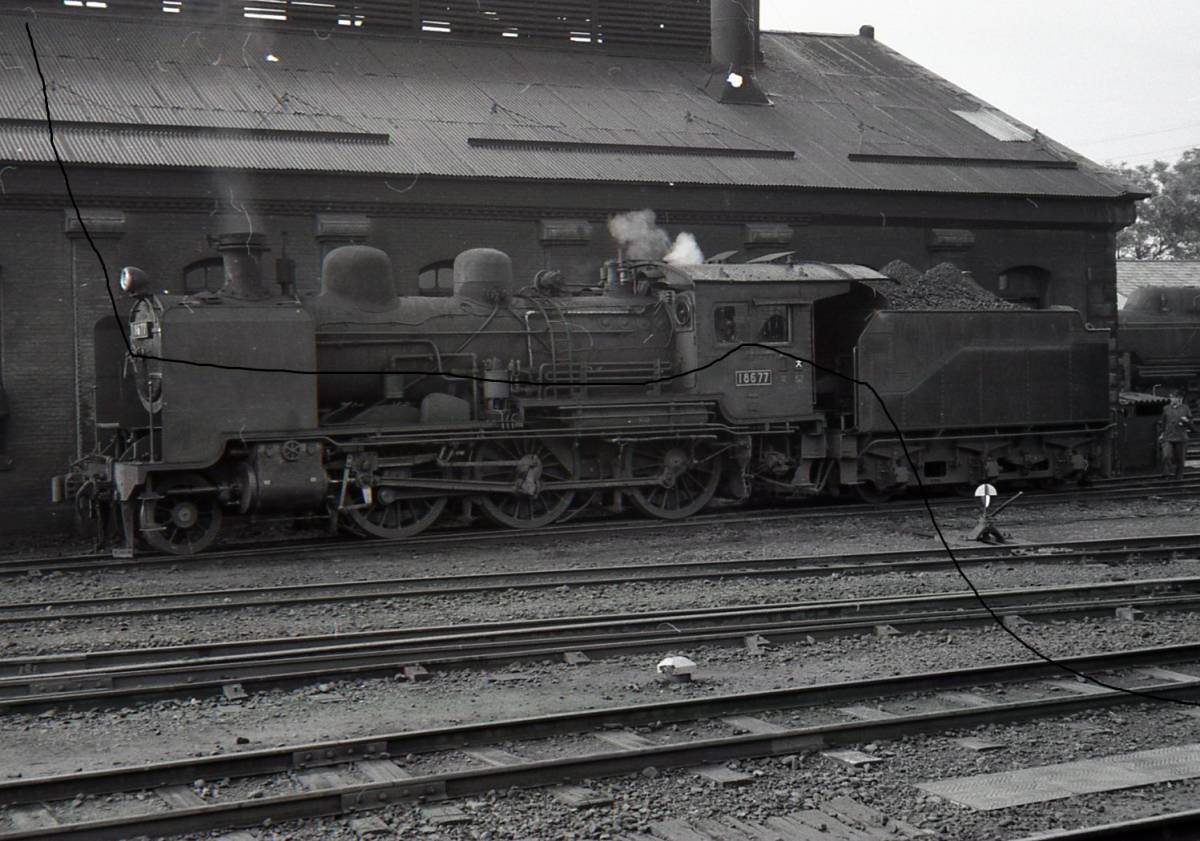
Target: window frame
[[437, 268], [203, 264], [785, 314]]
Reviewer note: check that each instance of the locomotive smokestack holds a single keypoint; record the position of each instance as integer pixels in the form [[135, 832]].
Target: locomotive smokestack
[[733, 43], [242, 253]]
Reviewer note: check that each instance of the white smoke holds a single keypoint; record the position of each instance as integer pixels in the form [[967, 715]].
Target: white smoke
[[685, 252], [638, 236]]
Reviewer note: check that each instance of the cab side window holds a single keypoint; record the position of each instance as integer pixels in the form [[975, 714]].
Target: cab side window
[[774, 325], [727, 324]]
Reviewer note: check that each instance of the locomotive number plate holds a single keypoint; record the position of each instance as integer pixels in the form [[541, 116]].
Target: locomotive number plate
[[741, 378]]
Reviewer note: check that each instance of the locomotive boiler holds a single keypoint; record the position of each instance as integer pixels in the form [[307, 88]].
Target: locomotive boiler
[[655, 388]]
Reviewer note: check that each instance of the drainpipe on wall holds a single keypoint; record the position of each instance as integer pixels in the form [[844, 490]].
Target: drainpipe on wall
[[89, 297]]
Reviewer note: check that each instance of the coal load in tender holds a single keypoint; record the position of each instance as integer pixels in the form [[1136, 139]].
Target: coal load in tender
[[943, 287]]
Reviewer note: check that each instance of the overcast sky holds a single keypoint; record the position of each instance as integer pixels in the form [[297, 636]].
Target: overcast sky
[[1116, 81]]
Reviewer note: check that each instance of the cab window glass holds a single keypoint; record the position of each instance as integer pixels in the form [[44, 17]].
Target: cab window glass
[[773, 325], [727, 323]]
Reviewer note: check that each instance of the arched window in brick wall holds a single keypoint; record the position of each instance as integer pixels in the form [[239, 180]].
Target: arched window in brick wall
[[204, 275], [1025, 285], [436, 280]]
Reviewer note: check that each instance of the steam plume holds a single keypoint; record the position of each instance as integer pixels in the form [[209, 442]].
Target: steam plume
[[685, 251], [638, 236], [641, 239]]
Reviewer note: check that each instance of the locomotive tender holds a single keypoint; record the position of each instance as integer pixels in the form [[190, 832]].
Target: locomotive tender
[[383, 411]]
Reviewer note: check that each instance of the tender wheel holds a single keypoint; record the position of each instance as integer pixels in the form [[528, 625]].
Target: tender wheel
[[684, 480], [176, 521], [1055, 484], [528, 466], [871, 493], [396, 513]]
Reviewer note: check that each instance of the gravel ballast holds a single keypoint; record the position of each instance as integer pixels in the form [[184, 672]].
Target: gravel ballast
[[60, 741]]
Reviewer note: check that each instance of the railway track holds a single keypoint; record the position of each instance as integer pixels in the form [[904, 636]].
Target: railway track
[[1114, 550], [357, 775], [108, 677], [1174, 826], [1100, 490]]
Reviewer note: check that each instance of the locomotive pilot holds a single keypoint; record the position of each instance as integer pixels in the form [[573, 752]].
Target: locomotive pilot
[[1176, 424]]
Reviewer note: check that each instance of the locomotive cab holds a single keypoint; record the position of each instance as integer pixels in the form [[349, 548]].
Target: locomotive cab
[[756, 323]]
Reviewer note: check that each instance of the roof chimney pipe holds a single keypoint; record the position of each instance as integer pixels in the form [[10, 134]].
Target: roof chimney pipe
[[734, 39], [867, 31]]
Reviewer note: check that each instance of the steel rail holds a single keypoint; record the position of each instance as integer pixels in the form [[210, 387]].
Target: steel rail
[[316, 754], [1175, 826], [361, 797], [681, 618], [289, 549], [273, 663], [1103, 550]]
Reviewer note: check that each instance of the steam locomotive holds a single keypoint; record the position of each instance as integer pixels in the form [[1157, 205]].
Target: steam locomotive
[[658, 387], [1159, 340]]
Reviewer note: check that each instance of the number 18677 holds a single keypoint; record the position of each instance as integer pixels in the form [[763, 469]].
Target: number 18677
[[742, 378]]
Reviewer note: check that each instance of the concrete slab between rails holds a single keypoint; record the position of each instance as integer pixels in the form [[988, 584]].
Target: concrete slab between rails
[[1056, 782], [842, 819]]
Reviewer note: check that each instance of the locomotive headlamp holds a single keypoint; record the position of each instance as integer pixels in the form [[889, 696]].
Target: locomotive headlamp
[[134, 281], [683, 312]]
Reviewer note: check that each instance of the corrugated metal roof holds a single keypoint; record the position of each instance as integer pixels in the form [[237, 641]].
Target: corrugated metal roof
[[1134, 274], [775, 272], [573, 116]]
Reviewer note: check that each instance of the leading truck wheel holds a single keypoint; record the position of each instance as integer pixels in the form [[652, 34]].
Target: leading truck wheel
[[178, 519], [680, 481]]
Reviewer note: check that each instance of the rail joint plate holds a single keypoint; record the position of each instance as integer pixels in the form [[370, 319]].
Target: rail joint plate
[[400, 792], [338, 754]]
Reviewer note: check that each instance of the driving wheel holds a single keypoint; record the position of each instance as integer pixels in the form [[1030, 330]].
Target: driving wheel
[[395, 512], [679, 479], [531, 469]]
